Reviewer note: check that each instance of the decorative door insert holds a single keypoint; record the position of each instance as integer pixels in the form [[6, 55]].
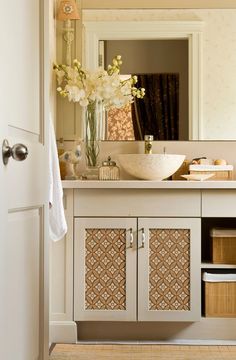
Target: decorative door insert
[[105, 273], [169, 275]]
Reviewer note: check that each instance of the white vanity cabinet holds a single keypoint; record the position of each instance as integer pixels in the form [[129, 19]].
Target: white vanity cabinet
[[110, 284], [133, 254]]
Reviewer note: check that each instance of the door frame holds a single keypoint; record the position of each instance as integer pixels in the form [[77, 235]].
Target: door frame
[[46, 24]]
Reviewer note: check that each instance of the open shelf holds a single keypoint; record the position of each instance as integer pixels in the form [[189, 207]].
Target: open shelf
[[210, 292], [207, 225]]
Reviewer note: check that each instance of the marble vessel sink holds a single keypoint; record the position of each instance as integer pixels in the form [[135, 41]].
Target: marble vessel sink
[[151, 166]]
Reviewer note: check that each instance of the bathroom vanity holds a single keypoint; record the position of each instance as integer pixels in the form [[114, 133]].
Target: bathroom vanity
[[113, 276], [133, 258]]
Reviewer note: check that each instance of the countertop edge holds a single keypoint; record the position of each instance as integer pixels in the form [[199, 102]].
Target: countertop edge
[[143, 184]]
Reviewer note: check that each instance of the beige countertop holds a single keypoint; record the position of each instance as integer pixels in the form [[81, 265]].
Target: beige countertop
[[143, 184]]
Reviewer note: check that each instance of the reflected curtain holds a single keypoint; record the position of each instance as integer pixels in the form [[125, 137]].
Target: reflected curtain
[[157, 113]]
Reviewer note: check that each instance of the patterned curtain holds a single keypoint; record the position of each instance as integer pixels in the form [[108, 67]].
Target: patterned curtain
[[157, 113]]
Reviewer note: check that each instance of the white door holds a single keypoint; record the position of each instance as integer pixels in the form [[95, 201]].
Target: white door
[[23, 184]]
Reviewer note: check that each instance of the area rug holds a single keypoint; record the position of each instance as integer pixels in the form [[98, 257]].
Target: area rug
[[142, 352]]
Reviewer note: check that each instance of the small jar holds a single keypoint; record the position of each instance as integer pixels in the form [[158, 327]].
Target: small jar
[[109, 170]]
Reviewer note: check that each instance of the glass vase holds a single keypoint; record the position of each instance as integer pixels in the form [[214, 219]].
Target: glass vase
[[94, 130]]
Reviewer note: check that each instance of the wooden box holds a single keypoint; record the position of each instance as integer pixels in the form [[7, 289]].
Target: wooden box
[[223, 246], [220, 172], [220, 295]]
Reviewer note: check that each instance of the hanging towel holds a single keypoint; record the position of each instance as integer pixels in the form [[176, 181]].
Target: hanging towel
[[57, 221]]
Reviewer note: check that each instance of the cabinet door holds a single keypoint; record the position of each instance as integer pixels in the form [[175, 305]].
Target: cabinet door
[[105, 269], [169, 275]]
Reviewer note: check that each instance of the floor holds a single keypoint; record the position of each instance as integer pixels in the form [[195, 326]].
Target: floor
[[142, 352]]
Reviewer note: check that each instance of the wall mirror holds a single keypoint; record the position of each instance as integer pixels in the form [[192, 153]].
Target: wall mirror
[[207, 110], [160, 36]]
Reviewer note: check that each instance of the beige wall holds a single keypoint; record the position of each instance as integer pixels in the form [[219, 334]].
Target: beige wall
[[68, 115], [191, 149], [155, 4], [153, 56]]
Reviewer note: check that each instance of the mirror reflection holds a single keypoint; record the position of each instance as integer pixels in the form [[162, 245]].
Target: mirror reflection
[[162, 69], [157, 113]]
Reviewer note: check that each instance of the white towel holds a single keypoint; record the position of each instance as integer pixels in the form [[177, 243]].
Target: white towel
[[57, 221]]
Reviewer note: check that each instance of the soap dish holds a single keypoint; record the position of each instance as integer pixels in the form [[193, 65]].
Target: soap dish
[[198, 177]]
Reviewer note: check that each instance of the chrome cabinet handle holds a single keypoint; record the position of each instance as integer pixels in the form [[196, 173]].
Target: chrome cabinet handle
[[131, 238], [18, 152], [143, 238]]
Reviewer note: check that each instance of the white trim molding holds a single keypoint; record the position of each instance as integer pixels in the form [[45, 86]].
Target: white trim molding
[[94, 31], [63, 332]]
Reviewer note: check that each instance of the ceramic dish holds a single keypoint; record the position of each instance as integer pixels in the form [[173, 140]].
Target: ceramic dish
[[197, 177]]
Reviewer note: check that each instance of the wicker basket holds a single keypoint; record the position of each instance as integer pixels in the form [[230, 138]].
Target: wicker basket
[[220, 296], [223, 246]]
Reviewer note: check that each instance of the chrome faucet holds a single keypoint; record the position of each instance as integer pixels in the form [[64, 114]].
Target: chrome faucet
[[148, 139]]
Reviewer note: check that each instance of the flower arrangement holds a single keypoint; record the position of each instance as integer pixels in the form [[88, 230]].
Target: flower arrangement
[[90, 88], [102, 85]]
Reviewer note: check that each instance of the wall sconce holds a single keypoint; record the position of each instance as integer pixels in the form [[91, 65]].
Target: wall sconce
[[68, 11]]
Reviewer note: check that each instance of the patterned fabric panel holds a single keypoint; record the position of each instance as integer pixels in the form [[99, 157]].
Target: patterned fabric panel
[[105, 269], [120, 124], [169, 269]]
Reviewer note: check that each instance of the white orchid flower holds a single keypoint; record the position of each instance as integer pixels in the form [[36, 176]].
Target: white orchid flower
[[106, 86]]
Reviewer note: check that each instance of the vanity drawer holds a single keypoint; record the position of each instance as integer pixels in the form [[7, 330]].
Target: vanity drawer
[[137, 202], [219, 203]]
